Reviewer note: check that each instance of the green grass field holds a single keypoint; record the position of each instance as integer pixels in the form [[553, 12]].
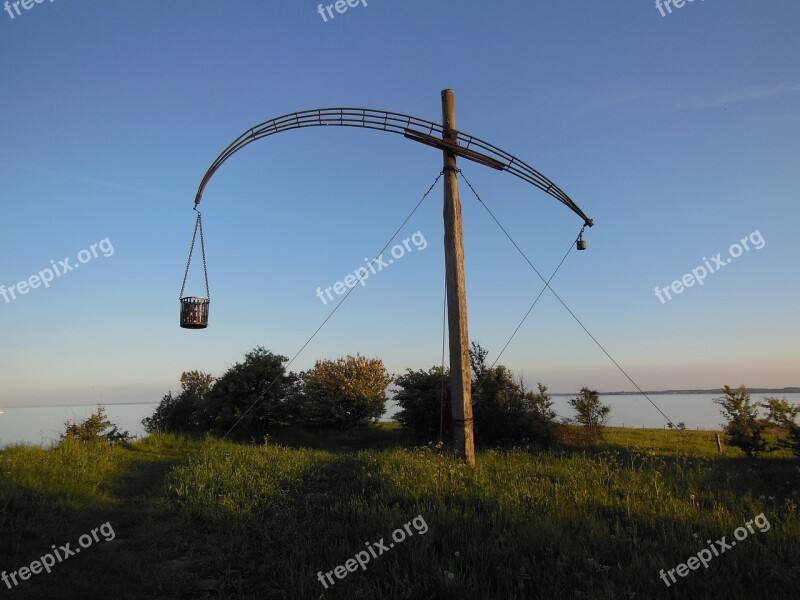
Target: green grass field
[[204, 518]]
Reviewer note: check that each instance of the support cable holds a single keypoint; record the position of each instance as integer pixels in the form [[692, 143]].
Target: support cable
[[571, 246], [441, 391], [347, 295], [547, 285]]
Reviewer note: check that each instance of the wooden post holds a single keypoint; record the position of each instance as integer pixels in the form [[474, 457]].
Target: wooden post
[[719, 444], [460, 376]]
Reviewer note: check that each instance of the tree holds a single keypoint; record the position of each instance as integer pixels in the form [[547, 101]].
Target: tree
[[541, 418], [420, 400], [184, 412], [539, 404], [783, 415], [342, 393], [95, 428], [779, 411], [591, 412], [498, 404], [251, 396], [477, 360], [503, 410], [744, 428]]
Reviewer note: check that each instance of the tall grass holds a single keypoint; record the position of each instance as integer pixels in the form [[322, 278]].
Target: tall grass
[[261, 520], [590, 524], [71, 475]]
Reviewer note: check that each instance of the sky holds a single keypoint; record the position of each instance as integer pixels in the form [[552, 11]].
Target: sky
[[679, 134]]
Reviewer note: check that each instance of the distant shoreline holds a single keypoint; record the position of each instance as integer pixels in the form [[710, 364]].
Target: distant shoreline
[[4, 407], [786, 390]]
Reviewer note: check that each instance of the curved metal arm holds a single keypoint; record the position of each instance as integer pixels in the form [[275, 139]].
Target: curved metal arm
[[406, 125]]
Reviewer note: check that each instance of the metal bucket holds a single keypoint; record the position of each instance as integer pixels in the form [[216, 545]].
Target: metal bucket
[[194, 312]]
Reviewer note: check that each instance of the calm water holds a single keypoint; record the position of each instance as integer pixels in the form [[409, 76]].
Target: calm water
[[42, 425], [695, 410]]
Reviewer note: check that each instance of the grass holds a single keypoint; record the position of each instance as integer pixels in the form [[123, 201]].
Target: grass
[[206, 518]]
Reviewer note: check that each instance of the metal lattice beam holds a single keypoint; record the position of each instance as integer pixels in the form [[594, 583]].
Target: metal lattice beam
[[420, 130]]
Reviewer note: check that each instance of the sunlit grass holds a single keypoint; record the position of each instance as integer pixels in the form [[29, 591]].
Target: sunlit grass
[[260, 521], [600, 523], [72, 475]]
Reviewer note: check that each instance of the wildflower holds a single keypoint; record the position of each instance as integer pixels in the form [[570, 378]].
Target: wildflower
[[598, 567]]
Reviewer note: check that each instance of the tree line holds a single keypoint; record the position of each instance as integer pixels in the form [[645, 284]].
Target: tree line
[[258, 394]]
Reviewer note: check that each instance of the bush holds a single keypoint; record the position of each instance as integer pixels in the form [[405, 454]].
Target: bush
[[184, 412], [342, 393], [95, 428], [503, 410], [592, 413], [570, 434], [420, 399], [783, 415], [792, 441], [541, 419], [498, 407], [250, 397], [744, 429]]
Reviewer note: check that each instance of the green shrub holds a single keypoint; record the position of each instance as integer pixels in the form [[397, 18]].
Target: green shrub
[[250, 397], [184, 412], [420, 397], [96, 427], [744, 429], [503, 410], [592, 414], [783, 415], [341, 394]]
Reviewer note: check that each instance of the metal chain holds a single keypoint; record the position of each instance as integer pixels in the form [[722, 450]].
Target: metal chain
[[197, 223], [203, 253]]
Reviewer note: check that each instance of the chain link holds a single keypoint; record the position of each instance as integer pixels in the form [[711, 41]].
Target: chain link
[[203, 253], [197, 224]]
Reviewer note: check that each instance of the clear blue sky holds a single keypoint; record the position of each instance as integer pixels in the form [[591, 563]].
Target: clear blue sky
[[679, 135]]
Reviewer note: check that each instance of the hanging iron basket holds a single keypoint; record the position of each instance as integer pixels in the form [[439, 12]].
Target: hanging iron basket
[[194, 312], [194, 309]]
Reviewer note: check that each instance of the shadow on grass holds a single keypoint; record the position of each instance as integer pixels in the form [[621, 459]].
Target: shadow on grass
[[339, 502], [383, 436], [476, 546], [124, 567]]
